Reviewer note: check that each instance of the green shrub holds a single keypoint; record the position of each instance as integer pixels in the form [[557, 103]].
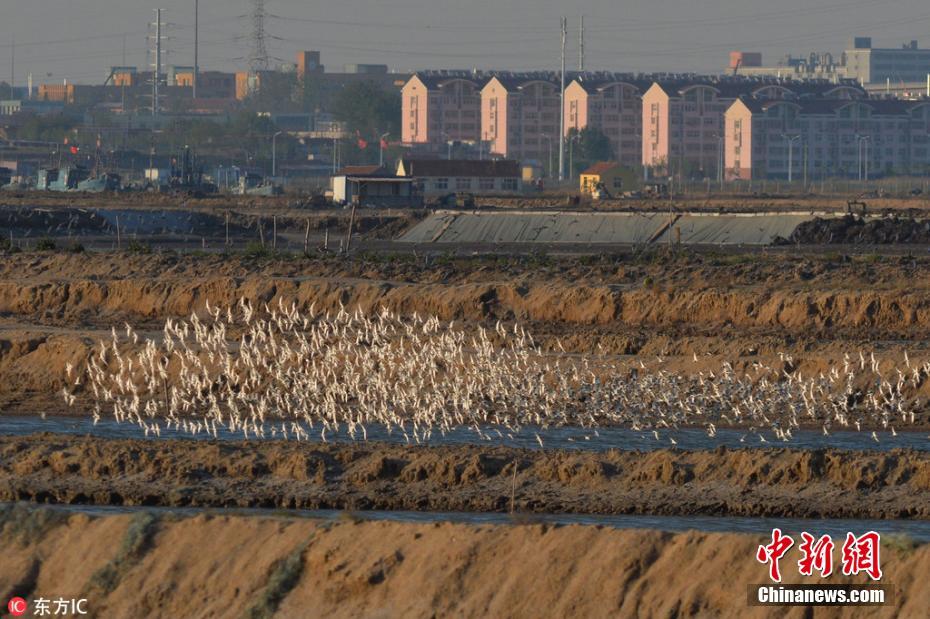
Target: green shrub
[[256, 250], [284, 576], [136, 542], [29, 524], [137, 247]]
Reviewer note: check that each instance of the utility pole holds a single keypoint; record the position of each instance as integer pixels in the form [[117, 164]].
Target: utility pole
[[12, 65], [122, 91], [156, 74], [274, 154], [564, 25], [721, 161], [581, 46], [196, 47]]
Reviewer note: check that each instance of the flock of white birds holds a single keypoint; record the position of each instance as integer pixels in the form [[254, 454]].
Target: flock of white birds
[[277, 372]]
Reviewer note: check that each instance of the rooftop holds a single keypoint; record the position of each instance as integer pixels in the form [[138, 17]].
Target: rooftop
[[494, 168], [601, 167]]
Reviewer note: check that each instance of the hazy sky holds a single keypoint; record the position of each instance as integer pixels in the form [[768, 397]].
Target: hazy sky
[[80, 39]]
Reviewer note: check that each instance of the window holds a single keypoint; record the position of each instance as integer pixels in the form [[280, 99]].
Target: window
[[442, 183], [462, 184], [486, 183], [618, 183], [509, 184]]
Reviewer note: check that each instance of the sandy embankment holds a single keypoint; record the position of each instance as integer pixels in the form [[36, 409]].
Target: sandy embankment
[[773, 482], [237, 566]]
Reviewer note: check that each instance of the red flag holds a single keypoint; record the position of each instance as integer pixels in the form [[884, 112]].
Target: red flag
[[384, 144], [362, 143], [74, 150]]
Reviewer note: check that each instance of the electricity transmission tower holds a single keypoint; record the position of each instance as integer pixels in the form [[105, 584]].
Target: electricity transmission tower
[[258, 60]]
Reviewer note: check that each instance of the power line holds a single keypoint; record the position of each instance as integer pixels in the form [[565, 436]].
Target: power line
[[62, 41]]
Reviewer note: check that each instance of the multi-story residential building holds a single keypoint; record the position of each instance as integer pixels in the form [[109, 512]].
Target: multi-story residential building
[[820, 138], [683, 118], [441, 106], [520, 115], [613, 104]]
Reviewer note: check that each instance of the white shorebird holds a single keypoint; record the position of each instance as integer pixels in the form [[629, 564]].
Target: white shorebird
[[254, 370]]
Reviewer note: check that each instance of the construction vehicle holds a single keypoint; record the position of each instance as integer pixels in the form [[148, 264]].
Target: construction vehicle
[[600, 192], [655, 190]]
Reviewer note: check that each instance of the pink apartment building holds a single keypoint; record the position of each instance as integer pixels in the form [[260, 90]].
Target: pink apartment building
[[613, 104], [826, 138], [520, 116], [683, 119], [438, 107]]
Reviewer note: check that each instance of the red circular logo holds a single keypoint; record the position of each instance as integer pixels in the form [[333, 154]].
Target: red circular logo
[[17, 607]]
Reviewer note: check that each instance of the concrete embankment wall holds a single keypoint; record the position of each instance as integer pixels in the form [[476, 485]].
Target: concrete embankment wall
[[603, 228]]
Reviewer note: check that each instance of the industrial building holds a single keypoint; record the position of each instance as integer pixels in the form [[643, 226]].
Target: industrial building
[[860, 62], [814, 66], [873, 65]]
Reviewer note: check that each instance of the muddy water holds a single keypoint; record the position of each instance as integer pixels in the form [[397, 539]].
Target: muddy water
[[574, 438]]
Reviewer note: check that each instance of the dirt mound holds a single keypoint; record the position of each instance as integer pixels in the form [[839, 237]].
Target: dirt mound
[[852, 230], [774, 482], [182, 288], [224, 566], [732, 308]]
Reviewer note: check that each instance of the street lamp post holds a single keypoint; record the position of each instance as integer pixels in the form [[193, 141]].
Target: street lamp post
[[381, 149], [571, 156], [335, 144], [274, 154], [860, 140], [548, 139], [790, 139]]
